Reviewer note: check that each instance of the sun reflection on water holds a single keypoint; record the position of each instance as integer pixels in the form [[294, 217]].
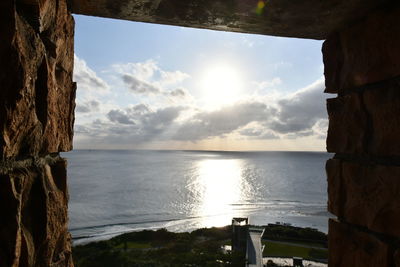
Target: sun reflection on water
[[218, 185]]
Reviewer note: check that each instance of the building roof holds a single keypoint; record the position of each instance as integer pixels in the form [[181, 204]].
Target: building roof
[[254, 247]]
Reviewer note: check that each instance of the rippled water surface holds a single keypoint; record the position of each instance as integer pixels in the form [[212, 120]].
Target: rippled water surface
[[113, 192]]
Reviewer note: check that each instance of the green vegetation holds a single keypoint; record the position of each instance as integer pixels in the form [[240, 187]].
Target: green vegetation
[[133, 245], [285, 250], [198, 248], [160, 248], [306, 236]]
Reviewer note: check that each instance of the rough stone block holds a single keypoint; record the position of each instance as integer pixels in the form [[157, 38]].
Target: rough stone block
[[34, 217], [351, 247], [334, 175], [37, 93], [383, 108], [366, 122], [365, 195], [397, 258], [347, 124], [365, 52]]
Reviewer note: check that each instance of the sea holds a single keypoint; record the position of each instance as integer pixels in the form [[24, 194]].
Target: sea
[[118, 191]]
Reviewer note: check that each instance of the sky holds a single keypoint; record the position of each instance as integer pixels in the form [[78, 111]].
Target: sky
[[148, 86]]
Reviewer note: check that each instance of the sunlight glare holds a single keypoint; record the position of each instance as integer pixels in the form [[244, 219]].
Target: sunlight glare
[[220, 185], [220, 85]]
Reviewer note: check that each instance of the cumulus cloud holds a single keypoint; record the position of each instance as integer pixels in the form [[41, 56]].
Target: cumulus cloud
[[258, 133], [300, 111], [155, 123], [138, 86], [86, 78], [141, 70], [88, 106], [320, 128], [132, 124], [298, 115], [251, 132], [119, 116], [224, 121], [268, 135], [172, 77], [147, 78], [81, 129], [301, 114], [179, 94], [139, 109]]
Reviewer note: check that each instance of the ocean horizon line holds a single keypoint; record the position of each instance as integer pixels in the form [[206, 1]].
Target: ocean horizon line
[[196, 150]]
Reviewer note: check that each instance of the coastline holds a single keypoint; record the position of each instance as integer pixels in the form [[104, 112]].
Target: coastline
[[133, 190], [88, 234], [199, 246]]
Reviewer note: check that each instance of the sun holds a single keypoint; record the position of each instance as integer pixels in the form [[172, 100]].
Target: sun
[[220, 85]]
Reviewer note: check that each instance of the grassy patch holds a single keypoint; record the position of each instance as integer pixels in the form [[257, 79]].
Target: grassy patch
[[160, 248], [283, 250], [286, 250], [133, 245]]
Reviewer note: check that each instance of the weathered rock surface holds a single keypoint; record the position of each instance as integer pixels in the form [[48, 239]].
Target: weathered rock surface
[[365, 52], [37, 100], [313, 19], [351, 247], [37, 93], [362, 65], [333, 169], [366, 122], [34, 217], [383, 108], [397, 258], [347, 124], [365, 195]]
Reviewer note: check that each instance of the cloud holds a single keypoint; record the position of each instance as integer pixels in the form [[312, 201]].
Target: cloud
[[154, 123], [81, 129], [300, 111], [147, 78], [134, 124], [179, 94], [224, 121], [258, 133], [298, 115], [268, 84], [268, 136], [173, 77], [88, 106], [251, 132], [141, 70], [119, 116], [301, 114], [139, 109], [138, 86], [86, 78], [320, 128]]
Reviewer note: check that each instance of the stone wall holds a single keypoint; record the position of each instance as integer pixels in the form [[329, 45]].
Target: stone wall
[[37, 99], [362, 66]]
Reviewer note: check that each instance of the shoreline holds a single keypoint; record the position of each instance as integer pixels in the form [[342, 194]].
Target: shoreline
[[198, 246], [88, 234]]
